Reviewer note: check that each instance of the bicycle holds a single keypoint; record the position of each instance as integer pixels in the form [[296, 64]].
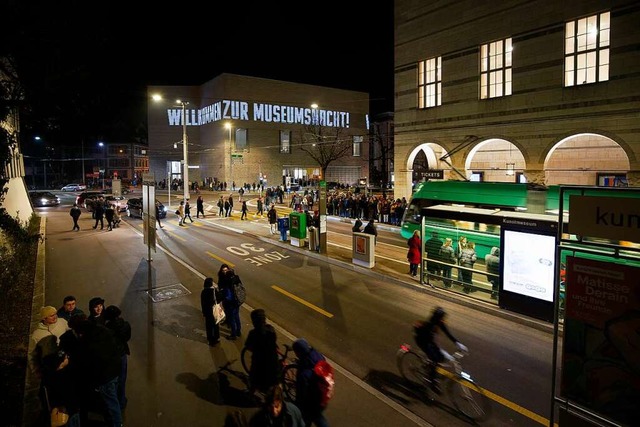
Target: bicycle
[[465, 394], [288, 370]]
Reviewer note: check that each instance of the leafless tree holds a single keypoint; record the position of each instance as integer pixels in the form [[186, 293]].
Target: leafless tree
[[324, 144]]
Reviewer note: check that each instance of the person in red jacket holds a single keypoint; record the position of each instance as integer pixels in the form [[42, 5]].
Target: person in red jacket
[[413, 256]]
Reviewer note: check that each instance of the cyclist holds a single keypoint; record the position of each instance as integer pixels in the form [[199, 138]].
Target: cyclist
[[425, 337]]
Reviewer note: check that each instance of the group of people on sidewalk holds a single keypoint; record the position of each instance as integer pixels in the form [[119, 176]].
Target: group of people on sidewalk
[[81, 361], [265, 372], [102, 211]]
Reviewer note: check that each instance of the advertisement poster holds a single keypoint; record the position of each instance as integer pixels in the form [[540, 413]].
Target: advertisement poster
[[361, 245], [601, 352], [529, 264]]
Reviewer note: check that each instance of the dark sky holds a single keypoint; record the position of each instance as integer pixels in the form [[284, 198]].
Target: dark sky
[[91, 62]]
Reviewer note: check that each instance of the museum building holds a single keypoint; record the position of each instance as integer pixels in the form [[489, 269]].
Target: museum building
[[242, 129]]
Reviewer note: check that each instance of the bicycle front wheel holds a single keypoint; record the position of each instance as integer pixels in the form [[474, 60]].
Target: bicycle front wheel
[[289, 374], [469, 398], [245, 358], [412, 367]]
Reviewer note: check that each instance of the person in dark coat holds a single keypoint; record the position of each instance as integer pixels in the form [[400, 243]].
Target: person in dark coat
[[357, 226], [69, 308], [158, 215], [210, 295], [492, 262], [199, 207], [122, 332], [226, 279], [96, 307], [277, 412], [187, 212], [262, 342], [97, 362], [99, 214], [61, 386], [308, 395], [272, 215], [75, 215], [432, 248], [109, 213], [371, 229]]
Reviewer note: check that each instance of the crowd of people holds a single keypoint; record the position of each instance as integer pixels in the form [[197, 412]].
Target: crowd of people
[[81, 361]]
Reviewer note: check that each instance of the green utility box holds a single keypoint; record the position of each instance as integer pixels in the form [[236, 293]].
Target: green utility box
[[297, 228]]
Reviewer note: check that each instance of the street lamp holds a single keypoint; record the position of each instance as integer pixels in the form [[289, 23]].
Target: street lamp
[[185, 150], [104, 167], [228, 127]]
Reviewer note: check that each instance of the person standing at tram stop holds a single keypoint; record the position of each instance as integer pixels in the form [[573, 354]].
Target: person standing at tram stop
[[432, 248], [370, 228], [413, 256], [467, 259], [492, 262], [448, 258], [457, 251], [272, 215], [357, 226]]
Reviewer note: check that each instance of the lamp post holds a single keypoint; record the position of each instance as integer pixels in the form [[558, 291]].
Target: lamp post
[[228, 127], [104, 167], [83, 174], [322, 206], [185, 151]]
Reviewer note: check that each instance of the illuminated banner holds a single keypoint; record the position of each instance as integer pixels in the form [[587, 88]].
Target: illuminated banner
[[615, 218], [601, 361], [258, 112]]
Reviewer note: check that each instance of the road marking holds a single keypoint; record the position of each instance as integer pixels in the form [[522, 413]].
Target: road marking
[[177, 237], [197, 224], [303, 302], [222, 260]]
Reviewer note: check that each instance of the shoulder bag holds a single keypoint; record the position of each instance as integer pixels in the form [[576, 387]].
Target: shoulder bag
[[218, 311]]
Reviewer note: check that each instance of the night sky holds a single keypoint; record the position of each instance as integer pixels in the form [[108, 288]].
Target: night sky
[[87, 64]]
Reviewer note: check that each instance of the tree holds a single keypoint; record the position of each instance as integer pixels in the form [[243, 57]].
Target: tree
[[324, 144]]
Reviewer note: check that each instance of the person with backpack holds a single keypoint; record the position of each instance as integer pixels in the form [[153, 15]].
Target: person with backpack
[[314, 383], [234, 294]]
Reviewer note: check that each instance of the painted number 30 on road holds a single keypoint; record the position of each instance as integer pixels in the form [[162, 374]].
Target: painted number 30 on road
[[249, 251]]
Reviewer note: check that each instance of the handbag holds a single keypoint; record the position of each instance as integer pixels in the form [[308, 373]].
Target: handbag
[[177, 212], [59, 417], [218, 311]]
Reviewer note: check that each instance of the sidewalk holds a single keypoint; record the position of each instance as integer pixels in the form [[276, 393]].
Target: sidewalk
[[175, 378]]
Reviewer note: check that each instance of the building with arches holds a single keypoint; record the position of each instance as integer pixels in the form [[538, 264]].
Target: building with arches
[[243, 129], [543, 92]]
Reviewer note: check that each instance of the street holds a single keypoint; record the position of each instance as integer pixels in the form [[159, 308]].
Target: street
[[358, 320]]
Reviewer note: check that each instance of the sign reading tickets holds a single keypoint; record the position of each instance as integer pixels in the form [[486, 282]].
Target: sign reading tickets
[[601, 351]]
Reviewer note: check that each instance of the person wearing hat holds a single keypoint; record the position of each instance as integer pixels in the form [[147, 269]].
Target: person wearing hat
[[96, 307], [46, 337]]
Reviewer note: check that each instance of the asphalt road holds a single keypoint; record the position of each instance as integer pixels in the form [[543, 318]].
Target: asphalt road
[[357, 319]]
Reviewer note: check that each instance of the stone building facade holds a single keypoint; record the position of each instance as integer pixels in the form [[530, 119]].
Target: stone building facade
[[545, 91]]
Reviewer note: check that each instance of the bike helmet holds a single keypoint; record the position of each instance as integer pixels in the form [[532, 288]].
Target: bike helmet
[[437, 315]]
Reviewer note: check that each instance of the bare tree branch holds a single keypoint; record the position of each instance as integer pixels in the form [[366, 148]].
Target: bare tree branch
[[324, 144]]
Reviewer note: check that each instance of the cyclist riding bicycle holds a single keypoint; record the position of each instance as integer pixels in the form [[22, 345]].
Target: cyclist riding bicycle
[[425, 336]]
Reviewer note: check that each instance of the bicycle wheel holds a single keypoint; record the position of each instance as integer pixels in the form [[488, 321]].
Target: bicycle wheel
[[469, 398], [245, 358], [289, 374], [412, 367]]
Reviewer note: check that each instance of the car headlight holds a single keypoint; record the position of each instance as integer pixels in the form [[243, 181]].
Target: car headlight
[[43, 201]]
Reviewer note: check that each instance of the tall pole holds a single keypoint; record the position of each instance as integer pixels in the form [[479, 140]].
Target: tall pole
[[83, 174], [228, 126], [185, 152]]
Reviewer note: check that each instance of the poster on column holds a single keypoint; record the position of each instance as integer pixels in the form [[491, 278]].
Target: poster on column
[[601, 351]]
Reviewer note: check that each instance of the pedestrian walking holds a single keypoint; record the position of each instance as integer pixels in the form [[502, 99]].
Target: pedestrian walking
[[244, 210], [230, 200], [199, 207], [187, 211], [221, 206], [108, 215], [308, 395], [158, 215], [259, 207], [210, 295], [75, 214], [98, 212], [272, 215], [414, 254], [180, 213]]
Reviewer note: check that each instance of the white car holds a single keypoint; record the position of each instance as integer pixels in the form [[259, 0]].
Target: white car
[[74, 187]]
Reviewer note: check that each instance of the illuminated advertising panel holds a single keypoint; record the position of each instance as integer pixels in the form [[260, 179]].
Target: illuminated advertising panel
[[529, 264]]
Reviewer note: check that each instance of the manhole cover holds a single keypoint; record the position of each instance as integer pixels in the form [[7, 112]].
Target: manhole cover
[[168, 292]]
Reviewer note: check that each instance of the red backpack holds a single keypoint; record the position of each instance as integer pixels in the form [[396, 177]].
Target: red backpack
[[324, 373]]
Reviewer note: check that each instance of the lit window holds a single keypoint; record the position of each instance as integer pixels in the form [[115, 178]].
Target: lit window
[[357, 145], [495, 69], [430, 83], [586, 56], [285, 141]]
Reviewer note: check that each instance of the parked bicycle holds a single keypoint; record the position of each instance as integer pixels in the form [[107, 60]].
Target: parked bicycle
[[465, 394], [288, 371]]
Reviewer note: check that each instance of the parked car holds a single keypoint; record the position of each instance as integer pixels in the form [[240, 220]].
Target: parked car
[[85, 194], [74, 187], [91, 200], [43, 198], [134, 208]]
